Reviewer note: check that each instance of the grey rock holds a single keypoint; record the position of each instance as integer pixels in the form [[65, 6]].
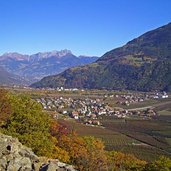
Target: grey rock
[[16, 157], [60, 164], [55, 165]]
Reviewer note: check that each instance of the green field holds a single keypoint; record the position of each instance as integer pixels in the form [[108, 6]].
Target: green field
[[136, 138]]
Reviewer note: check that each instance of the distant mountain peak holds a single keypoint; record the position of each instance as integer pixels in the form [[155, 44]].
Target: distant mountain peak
[[11, 53], [54, 53], [14, 55], [65, 51], [36, 66]]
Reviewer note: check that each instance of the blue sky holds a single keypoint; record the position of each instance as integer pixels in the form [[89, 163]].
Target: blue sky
[[87, 27]]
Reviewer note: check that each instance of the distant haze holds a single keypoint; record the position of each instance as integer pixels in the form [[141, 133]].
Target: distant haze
[[36, 66]]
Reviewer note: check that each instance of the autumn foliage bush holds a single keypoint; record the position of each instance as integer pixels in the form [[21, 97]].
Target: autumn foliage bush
[[5, 108]]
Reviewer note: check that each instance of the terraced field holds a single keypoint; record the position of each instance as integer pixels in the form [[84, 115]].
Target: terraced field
[[135, 137], [153, 133]]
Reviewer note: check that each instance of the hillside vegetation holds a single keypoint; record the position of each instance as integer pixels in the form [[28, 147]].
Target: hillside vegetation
[[142, 64]]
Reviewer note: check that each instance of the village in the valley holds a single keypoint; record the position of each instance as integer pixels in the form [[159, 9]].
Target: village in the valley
[[91, 111]]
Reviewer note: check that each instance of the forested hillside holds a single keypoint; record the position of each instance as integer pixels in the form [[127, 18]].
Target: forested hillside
[[142, 64]]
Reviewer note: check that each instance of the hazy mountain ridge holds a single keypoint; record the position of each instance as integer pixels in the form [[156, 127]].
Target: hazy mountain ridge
[[7, 78], [142, 64], [36, 66]]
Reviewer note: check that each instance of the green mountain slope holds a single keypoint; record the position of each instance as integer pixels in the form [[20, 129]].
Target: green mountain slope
[[142, 64]]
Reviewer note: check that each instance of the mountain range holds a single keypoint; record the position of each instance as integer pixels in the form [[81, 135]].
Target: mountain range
[[142, 64], [34, 67]]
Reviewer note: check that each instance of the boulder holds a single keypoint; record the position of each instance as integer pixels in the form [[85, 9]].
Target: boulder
[[16, 157]]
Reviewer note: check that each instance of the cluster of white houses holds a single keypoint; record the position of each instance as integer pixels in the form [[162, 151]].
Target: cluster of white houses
[[127, 99], [160, 95], [88, 111]]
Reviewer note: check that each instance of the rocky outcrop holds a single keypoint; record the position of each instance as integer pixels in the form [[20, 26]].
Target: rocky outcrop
[[16, 157], [55, 165]]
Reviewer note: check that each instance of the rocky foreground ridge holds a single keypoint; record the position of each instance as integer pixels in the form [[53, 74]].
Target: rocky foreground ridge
[[16, 157]]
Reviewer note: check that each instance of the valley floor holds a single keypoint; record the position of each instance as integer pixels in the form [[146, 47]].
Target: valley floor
[[145, 135]]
